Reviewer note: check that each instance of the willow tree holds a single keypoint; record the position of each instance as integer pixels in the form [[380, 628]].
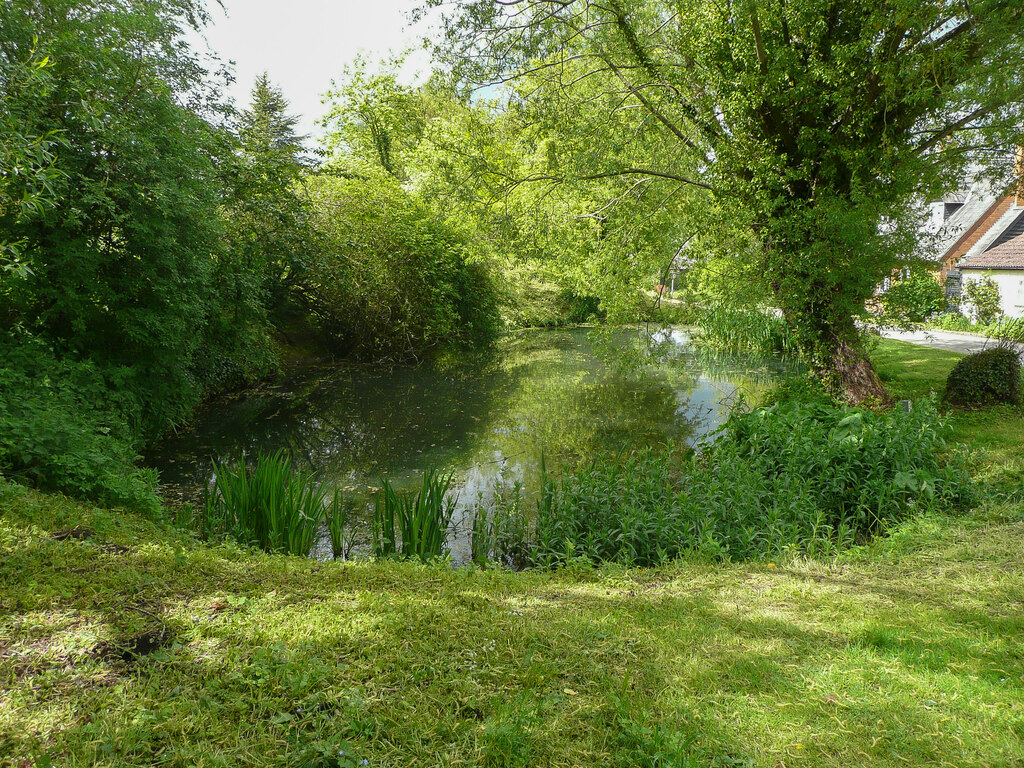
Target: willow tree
[[813, 123]]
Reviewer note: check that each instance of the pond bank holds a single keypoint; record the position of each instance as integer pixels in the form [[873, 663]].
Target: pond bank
[[562, 395], [129, 644]]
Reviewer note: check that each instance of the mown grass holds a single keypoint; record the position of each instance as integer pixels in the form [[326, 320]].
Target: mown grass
[[128, 643], [996, 434], [911, 371]]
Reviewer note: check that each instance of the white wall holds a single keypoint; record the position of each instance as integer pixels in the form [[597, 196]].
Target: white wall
[[1010, 283]]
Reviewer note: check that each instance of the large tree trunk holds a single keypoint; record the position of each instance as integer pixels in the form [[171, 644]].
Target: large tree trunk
[[831, 344], [855, 379]]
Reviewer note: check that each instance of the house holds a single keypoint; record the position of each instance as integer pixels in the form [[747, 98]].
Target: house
[[977, 233], [1003, 261]]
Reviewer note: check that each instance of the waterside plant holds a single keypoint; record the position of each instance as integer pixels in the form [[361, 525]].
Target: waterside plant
[[336, 515], [733, 330], [797, 477], [272, 506], [422, 519]]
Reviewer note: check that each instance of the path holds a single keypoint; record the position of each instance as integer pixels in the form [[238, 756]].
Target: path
[[964, 343], [952, 341]]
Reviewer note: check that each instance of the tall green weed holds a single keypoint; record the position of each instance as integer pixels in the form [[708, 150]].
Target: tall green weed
[[742, 330], [63, 429], [422, 519]]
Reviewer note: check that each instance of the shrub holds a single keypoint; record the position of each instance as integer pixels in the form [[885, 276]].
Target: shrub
[[62, 429], [795, 476], [1010, 333], [913, 300], [952, 321], [983, 295], [530, 298], [388, 280], [272, 506], [581, 308], [985, 378]]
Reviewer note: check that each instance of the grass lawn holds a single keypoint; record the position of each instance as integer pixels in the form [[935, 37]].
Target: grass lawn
[[996, 434], [127, 643], [911, 371]]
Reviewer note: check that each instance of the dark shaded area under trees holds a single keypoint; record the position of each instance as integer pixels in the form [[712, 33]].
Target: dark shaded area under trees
[[156, 243]]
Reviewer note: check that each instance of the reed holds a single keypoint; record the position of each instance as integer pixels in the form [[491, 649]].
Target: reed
[[337, 522], [271, 506], [384, 541], [483, 536], [743, 331], [422, 518]]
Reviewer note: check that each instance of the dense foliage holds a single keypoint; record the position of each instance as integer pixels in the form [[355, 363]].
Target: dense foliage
[[796, 134], [121, 265], [913, 300], [982, 297], [450, 153], [154, 243], [27, 172], [985, 378], [63, 427], [798, 476], [391, 281]]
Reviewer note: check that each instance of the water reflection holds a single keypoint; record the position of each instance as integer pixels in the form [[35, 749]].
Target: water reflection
[[567, 394]]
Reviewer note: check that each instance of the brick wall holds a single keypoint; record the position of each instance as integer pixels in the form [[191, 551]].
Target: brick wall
[[976, 232]]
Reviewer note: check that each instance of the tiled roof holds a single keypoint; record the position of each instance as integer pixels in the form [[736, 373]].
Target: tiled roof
[[977, 203], [1014, 229], [1007, 254]]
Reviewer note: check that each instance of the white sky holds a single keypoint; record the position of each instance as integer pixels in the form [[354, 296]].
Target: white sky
[[304, 44]]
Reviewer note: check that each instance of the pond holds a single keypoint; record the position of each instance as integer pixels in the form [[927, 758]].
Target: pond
[[564, 395]]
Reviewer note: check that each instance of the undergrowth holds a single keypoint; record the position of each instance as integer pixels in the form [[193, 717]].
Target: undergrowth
[[63, 429], [797, 477]]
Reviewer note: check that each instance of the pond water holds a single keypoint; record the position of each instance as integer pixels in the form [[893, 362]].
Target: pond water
[[566, 395]]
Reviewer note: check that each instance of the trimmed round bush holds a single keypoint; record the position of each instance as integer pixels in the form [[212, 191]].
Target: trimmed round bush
[[988, 377]]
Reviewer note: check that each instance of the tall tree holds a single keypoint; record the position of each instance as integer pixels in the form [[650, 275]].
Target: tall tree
[[814, 124], [269, 236], [374, 119], [266, 128]]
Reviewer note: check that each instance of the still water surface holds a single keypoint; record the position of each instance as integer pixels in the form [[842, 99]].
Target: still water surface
[[567, 395]]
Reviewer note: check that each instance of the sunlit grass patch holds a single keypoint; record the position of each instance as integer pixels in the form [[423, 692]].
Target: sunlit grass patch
[[910, 370], [997, 433], [862, 660]]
